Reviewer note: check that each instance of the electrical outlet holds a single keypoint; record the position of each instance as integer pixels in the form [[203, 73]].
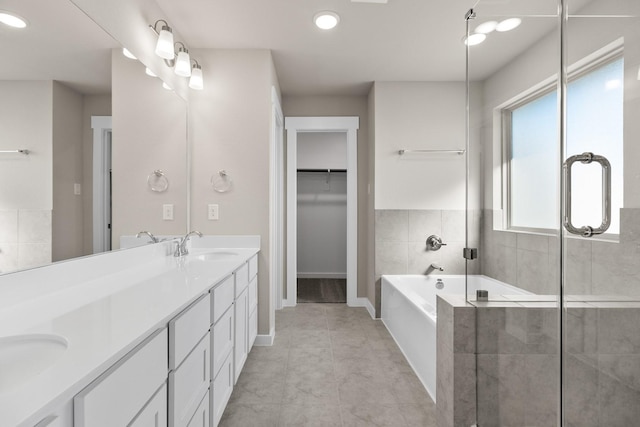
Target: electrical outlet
[[167, 212], [213, 212]]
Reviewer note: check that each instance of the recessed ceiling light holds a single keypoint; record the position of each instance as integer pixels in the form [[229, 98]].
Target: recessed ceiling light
[[128, 54], [508, 24], [474, 39], [326, 20], [148, 72], [12, 20], [486, 27]]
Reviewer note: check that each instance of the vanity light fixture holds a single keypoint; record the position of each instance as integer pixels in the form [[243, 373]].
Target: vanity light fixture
[[128, 54], [148, 72], [183, 61], [508, 24], [196, 81], [164, 46], [12, 20], [326, 19]]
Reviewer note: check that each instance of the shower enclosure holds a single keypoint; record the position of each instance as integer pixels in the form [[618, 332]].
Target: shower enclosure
[[553, 198]]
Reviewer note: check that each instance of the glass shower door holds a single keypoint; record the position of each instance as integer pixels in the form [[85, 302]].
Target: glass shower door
[[601, 244]]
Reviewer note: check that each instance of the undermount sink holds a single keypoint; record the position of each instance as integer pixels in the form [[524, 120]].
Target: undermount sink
[[24, 357], [215, 255]]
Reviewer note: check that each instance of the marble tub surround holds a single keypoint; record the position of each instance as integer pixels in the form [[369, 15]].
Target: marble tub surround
[[103, 306], [592, 266], [330, 365], [400, 242], [25, 238]]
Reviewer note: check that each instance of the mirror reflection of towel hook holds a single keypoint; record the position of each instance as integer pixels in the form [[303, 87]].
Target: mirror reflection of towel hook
[[157, 181]]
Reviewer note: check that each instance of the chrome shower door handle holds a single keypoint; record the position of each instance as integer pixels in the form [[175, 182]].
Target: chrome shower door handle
[[587, 158]]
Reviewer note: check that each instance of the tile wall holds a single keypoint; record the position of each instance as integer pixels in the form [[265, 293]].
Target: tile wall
[[400, 242], [25, 238]]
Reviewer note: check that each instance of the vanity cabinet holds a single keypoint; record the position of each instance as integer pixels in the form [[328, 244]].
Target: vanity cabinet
[[189, 360], [241, 349], [154, 414], [121, 393]]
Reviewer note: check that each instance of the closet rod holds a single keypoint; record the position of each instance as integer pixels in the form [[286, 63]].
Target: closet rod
[[322, 170], [405, 151]]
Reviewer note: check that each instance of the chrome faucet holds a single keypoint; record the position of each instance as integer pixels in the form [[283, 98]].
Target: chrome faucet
[[182, 245], [153, 238], [436, 267]]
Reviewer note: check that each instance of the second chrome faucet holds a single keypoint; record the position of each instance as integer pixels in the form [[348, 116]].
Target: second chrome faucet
[[182, 245]]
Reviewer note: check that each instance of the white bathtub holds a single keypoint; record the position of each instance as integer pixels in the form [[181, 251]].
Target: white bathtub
[[409, 313]]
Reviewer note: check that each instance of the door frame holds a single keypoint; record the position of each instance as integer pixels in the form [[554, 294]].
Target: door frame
[[276, 217], [102, 126], [350, 126]]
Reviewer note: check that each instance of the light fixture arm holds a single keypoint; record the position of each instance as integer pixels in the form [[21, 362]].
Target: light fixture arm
[[155, 25]]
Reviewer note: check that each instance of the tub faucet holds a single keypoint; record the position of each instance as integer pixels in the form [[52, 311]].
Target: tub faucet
[[182, 245], [437, 267], [153, 238]]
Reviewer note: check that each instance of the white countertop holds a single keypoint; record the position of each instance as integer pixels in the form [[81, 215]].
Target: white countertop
[[102, 318]]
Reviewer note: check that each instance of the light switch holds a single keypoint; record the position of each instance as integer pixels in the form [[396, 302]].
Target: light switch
[[213, 212], [167, 212], [77, 189]]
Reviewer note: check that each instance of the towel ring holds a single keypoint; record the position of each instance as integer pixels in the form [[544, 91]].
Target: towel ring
[[157, 181], [221, 182]]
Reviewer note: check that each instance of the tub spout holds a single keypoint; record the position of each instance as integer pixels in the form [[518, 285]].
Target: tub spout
[[437, 267]]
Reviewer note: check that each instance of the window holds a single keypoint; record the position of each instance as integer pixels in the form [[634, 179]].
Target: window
[[594, 123]]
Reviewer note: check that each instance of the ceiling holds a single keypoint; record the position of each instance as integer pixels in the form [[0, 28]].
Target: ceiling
[[403, 40]]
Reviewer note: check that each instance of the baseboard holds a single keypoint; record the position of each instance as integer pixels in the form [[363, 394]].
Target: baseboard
[[265, 340], [364, 302], [322, 275]]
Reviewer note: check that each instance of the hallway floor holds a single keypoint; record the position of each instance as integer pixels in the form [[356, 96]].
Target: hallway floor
[[330, 365]]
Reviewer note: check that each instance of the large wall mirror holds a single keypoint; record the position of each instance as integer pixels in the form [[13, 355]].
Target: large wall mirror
[[58, 74]]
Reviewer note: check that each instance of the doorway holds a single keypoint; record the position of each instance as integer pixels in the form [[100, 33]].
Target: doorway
[[102, 130], [347, 128]]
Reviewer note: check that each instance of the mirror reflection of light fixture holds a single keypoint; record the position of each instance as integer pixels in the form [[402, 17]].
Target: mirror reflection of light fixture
[[128, 54], [508, 24], [148, 72], [474, 39], [183, 61], [196, 81], [164, 46], [166, 86], [486, 27]]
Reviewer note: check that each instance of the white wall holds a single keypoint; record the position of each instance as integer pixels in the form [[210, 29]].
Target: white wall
[[229, 128], [322, 150], [149, 133], [425, 116], [67, 218]]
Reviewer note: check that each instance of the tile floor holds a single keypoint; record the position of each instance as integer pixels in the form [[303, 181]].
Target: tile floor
[[330, 365]]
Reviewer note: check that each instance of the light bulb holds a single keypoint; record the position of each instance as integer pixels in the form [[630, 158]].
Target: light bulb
[[486, 27], [128, 54], [148, 72], [474, 39], [326, 20], [183, 63], [166, 86], [196, 81], [12, 20], [164, 47]]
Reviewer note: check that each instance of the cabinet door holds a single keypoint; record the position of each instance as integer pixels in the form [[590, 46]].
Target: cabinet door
[[222, 341], [253, 328], [241, 342], [201, 417], [155, 413], [222, 387]]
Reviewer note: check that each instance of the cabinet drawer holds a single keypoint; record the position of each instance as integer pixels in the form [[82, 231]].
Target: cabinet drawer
[[155, 413], [221, 392], [187, 329], [223, 296], [121, 392], [221, 341], [253, 267], [242, 279], [201, 417], [253, 294], [253, 327], [189, 383]]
